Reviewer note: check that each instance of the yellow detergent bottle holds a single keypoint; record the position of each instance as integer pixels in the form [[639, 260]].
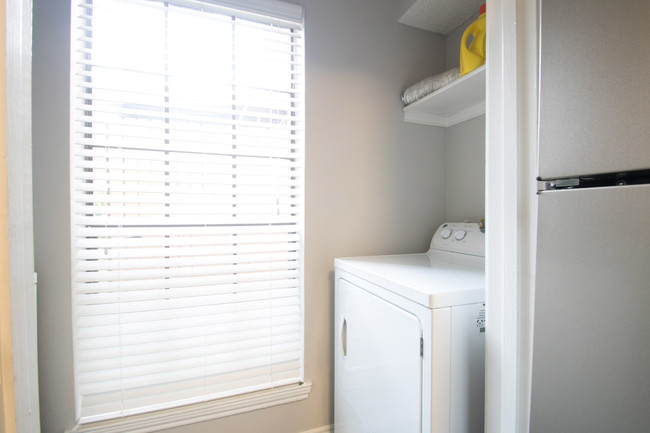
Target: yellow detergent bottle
[[473, 56]]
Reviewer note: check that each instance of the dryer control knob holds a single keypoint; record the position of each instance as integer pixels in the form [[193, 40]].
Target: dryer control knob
[[445, 233], [460, 235]]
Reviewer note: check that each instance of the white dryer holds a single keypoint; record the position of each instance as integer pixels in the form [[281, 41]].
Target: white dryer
[[409, 338]]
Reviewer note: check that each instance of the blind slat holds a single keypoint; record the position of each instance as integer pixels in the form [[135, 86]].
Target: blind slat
[[113, 331], [244, 149], [163, 283], [135, 366], [187, 338], [226, 366], [234, 237], [133, 258]]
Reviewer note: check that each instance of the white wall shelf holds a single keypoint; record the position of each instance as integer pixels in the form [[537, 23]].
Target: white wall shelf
[[458, 101]]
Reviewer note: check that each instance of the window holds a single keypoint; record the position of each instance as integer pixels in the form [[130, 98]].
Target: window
[[187, 201]]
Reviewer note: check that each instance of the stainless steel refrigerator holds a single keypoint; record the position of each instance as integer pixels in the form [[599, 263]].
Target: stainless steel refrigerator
[[591, 347]]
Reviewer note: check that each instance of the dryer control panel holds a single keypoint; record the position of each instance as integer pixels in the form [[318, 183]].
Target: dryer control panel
[[464, 238]]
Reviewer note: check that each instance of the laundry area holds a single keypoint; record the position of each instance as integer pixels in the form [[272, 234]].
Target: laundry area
[[409, 330], [308, 216]]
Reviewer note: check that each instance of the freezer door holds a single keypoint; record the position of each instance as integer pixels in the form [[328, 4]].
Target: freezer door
[[591, 349], [378, 367], [594, 87]]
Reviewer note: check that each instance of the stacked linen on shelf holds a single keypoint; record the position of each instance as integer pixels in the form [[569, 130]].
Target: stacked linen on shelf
[[429, 85]]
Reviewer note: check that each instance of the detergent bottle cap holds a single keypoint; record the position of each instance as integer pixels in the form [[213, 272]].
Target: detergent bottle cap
[[482, 10]]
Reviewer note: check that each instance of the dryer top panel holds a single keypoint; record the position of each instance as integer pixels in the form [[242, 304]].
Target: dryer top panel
[[435, 279]]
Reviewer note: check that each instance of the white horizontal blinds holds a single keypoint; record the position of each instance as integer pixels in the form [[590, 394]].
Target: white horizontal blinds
[[187, 201]]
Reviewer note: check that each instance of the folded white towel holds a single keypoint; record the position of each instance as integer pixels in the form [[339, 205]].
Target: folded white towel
[[429, 85]]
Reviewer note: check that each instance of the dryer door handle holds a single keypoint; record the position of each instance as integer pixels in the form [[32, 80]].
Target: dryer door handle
[[343, 334]]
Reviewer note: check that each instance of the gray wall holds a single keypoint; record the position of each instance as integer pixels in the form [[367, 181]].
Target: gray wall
[[465, 170], [50, 159], [374, 184], [465, 149]]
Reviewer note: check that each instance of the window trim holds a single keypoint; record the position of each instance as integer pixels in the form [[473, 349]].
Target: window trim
[[199, 412], [216, 408]]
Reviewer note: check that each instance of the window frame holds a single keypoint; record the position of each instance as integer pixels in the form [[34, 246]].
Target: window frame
[[181, 415]]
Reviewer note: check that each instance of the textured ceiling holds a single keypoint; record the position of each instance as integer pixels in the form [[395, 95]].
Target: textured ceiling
[[440, 16]]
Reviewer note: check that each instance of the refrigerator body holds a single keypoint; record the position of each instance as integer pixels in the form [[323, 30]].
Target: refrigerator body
[[594, 87], [591, 343]]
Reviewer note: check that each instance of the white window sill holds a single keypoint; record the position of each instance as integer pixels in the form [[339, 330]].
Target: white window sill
[[176, 417]]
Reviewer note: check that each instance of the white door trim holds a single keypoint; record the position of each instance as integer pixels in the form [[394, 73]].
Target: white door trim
[[511, 136], [21, 239]]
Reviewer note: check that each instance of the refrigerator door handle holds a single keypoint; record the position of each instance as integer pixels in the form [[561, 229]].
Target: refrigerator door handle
[[637, 177], [561, 184]]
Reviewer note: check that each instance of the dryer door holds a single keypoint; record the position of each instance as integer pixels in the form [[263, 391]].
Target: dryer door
[[378, 364]]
